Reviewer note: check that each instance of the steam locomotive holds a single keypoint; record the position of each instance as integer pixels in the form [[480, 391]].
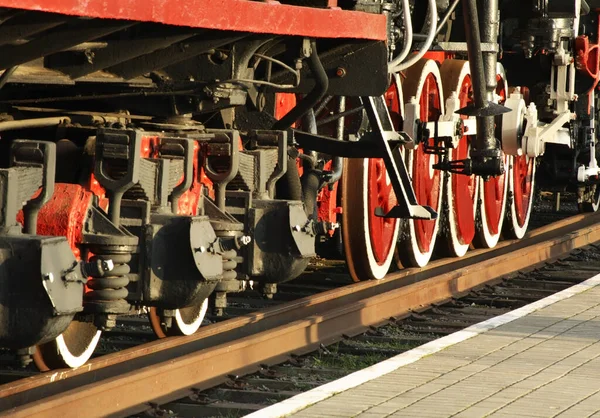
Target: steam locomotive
[[157, 156]]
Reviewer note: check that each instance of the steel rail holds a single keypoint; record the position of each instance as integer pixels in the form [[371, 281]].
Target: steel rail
[[123, 383]]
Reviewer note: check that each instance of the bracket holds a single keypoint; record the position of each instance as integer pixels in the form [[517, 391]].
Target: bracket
[[384, 134]]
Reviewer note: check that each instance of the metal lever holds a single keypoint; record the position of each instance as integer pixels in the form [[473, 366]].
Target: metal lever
[[179, 148], [26, 153], [117, 146], [383, 130], [222, 178], [268, 139]]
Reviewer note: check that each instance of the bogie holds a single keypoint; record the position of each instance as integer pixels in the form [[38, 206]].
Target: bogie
[[157, 164]]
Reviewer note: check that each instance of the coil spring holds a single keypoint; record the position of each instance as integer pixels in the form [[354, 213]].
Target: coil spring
[[111, 287], [229, 264]]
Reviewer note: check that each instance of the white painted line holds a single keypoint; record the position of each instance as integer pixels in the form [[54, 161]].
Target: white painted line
[[303, 400]]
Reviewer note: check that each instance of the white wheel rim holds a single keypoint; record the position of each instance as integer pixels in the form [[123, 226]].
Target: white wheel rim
[[458, 248], [415, 254], [189, 328], [516, 229], [490, 239], [487, 238], [379, 270], [72, 360], [454, 74]]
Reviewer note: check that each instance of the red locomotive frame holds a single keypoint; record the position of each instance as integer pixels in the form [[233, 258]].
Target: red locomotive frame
[[249, 16]]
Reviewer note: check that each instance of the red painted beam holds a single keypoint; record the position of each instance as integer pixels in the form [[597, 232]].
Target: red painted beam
[[237, 15]]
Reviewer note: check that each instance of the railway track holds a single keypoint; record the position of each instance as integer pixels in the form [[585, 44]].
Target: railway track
[[246, 394], [129, 381]]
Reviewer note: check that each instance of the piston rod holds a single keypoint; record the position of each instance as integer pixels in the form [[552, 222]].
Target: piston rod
[[486, 158]]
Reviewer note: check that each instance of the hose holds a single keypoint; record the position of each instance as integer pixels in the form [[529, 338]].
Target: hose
[[312, 98], [428, 42], [311, 183], [289, 187], [408, 35]]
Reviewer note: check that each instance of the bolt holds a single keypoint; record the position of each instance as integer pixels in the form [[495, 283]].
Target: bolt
[[261, 102], [167, 321], [306, 48], [220, 303], [244, 240], [297, 228], [107, 265], [72, 277], [201, 249], [49, 277], [105, 322], [269, 289], [24, 355], [340, 72]]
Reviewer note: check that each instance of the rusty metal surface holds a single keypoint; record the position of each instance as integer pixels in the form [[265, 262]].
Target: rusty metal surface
[[120, 383]]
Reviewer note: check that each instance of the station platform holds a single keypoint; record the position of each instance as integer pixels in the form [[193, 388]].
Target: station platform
[[542, 360]]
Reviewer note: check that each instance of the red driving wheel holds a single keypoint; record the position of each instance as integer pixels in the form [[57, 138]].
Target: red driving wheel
[[461, 191], [494, 190], [369, 241], [423, 83]]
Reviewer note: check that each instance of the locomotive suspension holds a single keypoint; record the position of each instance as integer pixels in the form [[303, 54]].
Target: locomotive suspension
[[473, 204]]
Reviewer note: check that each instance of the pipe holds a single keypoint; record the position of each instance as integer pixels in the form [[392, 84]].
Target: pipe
[[6, 75], [322, 105], [430, 37], [447, 15], [33, 123], [408, 35], [310, 125], [340, 115], [338, 162], [485, 156], [311, 179], [311, 184], [311, 99], [474, 52], [289, 186], [488, 24]]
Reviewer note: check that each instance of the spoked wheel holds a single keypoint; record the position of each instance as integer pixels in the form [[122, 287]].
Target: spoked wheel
[[461, 191], [493, 191], [73, 348], [590, 198], [521, 188], [418, 237], [369, 241], [185, 322], [521, 178]]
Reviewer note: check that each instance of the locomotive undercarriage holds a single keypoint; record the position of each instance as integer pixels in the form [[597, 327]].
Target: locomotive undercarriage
[[158, 168], [166, 186]]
